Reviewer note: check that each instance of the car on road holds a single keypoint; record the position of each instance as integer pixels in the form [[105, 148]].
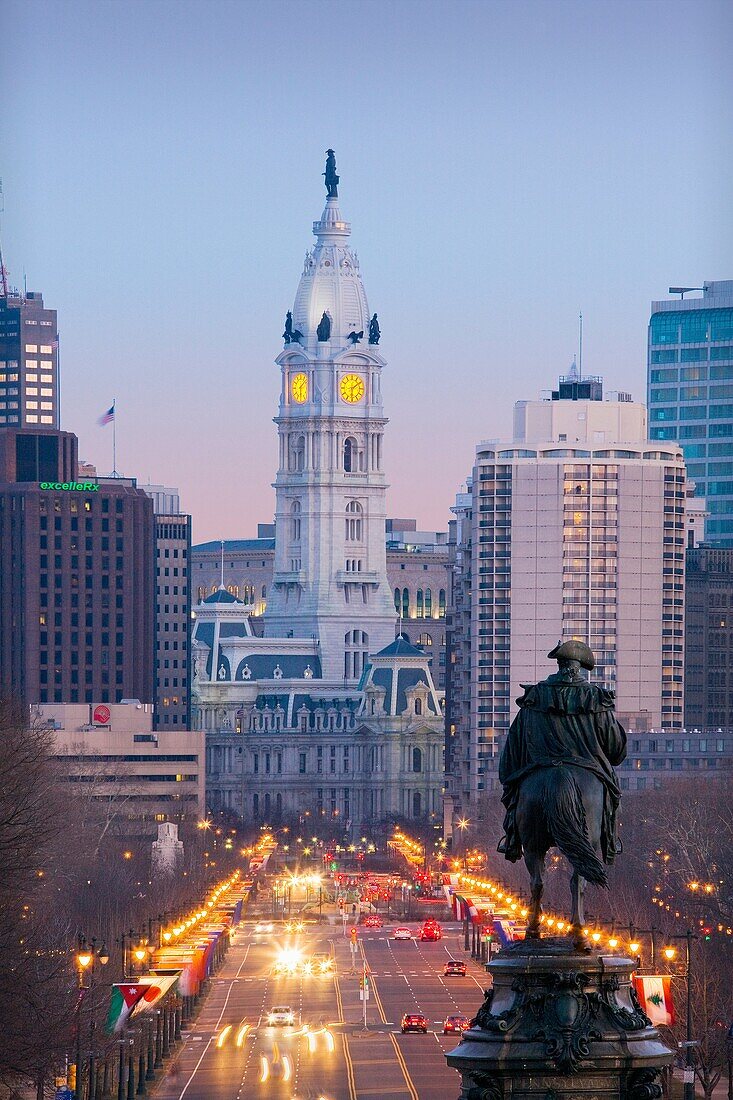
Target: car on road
[[431, 930], [263, 928], [455, 966], [402, 934], [453, 1024], [294, 926], [372, 921], [321, 962], [414, 1021], [281, 1016]]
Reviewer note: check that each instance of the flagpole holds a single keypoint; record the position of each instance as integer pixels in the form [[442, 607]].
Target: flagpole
[[114, 437]]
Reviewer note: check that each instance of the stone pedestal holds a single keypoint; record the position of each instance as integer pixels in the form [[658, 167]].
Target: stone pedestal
[[560, 1024]]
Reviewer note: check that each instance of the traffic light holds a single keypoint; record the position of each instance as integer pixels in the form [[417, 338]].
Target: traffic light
[[707, 934], [354, 936]]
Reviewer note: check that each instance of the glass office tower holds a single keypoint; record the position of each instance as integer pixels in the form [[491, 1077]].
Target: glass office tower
[[690, 394]]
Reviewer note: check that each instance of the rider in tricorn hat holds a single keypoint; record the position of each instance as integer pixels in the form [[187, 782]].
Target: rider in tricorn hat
[[564, 720]]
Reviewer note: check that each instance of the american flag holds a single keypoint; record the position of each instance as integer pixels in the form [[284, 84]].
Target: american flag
[[107, 417]]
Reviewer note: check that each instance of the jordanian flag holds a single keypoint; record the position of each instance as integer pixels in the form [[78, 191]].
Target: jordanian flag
[[655, 994], [124, 998], [131, 999]]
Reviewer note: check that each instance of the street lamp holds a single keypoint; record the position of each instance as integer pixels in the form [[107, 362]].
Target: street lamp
[[670, 953], [86, 958]]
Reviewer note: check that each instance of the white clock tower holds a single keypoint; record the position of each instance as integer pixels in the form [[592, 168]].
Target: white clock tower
[[330, 578]]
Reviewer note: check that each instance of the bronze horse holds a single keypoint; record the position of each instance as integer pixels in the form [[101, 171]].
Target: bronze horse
[[560, 788]]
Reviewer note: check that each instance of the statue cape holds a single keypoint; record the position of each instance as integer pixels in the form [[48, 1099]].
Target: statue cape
[[562, 721]]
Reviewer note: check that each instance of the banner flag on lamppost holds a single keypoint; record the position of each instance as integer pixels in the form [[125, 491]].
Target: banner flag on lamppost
[[131, 999], [124, 998], [655, 994]]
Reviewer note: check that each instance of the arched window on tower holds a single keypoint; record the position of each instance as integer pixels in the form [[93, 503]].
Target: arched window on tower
[[416, 804], [405, 603], [397, 599], [351, 455], [419, 603], [441, 604], [296, 458], [354, 516], [417, 758], [356, 651], [425, 640], [428, 603], [295, 512]]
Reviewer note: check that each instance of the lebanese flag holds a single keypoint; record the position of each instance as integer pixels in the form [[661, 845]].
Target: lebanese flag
[[124, 998], [655, 994]]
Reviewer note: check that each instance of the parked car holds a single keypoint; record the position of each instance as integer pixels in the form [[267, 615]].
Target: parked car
[[414, 1021]]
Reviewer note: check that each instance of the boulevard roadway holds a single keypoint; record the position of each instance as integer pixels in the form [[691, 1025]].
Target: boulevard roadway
[[230, 1052]]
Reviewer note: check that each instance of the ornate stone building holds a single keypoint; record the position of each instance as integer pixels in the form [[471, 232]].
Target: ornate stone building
[[327, 714]]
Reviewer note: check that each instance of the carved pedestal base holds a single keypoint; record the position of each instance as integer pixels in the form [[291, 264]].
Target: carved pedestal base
[[560, 1025]]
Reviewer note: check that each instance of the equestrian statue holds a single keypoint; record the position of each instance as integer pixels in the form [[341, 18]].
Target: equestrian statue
[[560, 787]]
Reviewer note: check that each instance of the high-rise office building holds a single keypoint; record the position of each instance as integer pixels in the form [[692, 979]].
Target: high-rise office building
[[709, 638], [690, 394], [29, 381], [173, 612], [577, 529], [77, 577]]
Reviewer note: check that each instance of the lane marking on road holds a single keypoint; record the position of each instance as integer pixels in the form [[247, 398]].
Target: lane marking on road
[[246, 953], [405, 1072], [353, 1095], [203, 1053], [373, 986], [347, 1054]]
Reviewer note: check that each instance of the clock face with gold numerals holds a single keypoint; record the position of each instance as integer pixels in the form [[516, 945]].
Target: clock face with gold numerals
[[299, 388], [351, 388]]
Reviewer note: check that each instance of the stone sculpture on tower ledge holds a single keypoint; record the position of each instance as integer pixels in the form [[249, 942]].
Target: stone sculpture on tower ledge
[[561, 1021]]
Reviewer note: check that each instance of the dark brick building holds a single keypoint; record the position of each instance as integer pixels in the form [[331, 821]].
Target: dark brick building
[[77, 577], [709, 638]]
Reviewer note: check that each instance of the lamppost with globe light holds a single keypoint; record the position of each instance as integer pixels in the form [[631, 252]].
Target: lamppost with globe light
[[86, 958]]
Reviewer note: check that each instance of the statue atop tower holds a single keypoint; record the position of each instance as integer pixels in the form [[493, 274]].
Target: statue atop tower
[[332, 180]]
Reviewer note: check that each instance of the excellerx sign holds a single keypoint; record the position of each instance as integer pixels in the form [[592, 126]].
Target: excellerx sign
[[70, 486]]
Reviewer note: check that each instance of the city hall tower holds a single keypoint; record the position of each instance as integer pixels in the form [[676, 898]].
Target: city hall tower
[[330, 579]]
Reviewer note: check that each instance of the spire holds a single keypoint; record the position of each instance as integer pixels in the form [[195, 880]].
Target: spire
[[3, 272]]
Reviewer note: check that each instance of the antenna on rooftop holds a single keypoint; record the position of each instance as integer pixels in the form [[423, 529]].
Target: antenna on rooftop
[[3, 272], [580, 348]]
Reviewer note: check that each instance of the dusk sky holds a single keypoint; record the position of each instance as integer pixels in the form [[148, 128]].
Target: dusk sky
[[503, 165]]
